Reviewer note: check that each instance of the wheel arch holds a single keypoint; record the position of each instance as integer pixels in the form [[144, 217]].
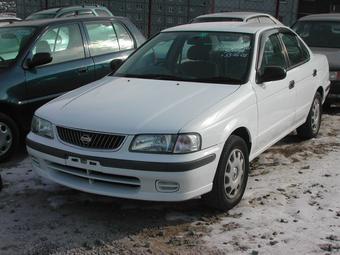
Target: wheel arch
[[244, 133]]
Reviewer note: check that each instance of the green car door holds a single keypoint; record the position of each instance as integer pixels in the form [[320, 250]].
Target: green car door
[[69, 68], [108, 41]]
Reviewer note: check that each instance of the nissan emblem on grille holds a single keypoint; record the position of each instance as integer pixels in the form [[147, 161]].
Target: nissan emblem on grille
[[90, 139], [85, 139]]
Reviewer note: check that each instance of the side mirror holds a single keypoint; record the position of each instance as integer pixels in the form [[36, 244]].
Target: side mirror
[[271, 73], [40, 59], [115, 64]]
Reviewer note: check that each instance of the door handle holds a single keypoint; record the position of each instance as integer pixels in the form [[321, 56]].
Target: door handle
[[291, 84], [315, 72], [82, 70]]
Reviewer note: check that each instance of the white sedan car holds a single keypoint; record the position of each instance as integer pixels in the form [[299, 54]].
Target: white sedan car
[[184, 115]]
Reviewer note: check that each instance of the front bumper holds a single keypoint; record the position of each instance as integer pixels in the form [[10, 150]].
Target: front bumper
[[134, 179]]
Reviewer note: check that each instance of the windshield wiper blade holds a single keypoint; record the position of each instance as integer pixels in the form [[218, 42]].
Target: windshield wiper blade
[[152, 76], [220, 79]]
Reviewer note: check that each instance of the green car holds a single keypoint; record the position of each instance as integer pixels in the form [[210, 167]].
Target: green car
[[42, 59]]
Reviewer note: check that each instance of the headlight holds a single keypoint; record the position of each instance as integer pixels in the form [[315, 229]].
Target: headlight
[[183, 143], [42, 127]]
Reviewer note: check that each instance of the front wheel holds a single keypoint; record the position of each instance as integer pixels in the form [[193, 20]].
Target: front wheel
[[311, 127], [231, 175], [9, 137]]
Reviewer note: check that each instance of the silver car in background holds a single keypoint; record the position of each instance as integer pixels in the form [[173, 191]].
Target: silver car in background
[[322, 34], [249, 17]]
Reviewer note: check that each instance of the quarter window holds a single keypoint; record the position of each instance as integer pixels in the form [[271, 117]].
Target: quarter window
[[295, 53], [272, 54], [103, 39], [64, 43], [125, 40]]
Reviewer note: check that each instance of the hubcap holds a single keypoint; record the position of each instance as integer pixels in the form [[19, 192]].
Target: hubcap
[[6, 138], [315, 115], [234, 173]]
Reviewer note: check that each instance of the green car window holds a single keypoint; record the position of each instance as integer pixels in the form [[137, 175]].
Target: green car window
[[103, 39], [12, 40], [64, 43]]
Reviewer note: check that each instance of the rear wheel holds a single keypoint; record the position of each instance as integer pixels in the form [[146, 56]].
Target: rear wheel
[[231, 175], [311, 127], [9, 137]]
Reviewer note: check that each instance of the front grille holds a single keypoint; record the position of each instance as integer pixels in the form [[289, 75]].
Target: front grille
[[92, 178], [88, 139]]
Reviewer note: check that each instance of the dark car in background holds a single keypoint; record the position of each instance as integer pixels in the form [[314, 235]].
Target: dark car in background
[[322, 34], [42, 59], [71, 11]]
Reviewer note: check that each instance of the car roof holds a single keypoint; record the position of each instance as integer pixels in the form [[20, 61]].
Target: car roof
[[67, 8], [241, 27], [322, 17], [241, 15], [46, 22]]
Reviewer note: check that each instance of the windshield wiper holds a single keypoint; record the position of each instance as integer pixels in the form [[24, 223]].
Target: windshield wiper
[[219, 79], [153, 76]]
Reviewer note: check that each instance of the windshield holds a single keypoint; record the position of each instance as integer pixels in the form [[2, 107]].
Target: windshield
[[323, 34], [41, 16], [11, 41], [216, 57]]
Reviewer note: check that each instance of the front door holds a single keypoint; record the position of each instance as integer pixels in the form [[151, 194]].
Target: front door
[[69, 69], [276, 99]]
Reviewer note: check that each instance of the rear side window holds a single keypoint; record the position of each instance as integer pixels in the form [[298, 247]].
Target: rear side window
[[295, 52], [272, 54], [266, 20], [64, 43], [253, 20], [103, 39], [102, 13], [124, 38]]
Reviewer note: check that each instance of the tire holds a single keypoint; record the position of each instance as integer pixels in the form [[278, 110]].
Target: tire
[[222, 196], [9, 137], [311, 127]]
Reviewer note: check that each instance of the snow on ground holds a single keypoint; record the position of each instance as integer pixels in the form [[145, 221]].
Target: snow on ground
[[291, 206]]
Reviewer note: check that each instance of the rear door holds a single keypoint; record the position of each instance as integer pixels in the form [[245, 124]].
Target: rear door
[[301, 72], [108, 41], [70, 67]]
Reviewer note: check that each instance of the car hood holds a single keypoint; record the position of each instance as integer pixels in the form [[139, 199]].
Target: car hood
[[131, 106], [332, 54]]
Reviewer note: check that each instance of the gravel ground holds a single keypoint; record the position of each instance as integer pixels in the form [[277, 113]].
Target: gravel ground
[[292, 205]]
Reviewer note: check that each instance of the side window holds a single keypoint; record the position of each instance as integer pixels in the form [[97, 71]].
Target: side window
[[102, 13], [266, 20], [85, 13], [253, 20], [272, 54], [64, 43], [295, 52], [68, 14], [103, 39], [125, 40]]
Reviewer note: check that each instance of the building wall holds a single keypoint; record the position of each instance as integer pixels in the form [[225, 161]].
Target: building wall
[[7, 6], [288, 8], [165, 13]]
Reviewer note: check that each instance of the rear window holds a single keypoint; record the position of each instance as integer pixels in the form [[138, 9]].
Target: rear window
[[324, 34], [102, 13]]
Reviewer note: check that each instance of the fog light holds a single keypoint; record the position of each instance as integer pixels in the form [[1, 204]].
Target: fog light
[[35, 161], [167, 186]]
